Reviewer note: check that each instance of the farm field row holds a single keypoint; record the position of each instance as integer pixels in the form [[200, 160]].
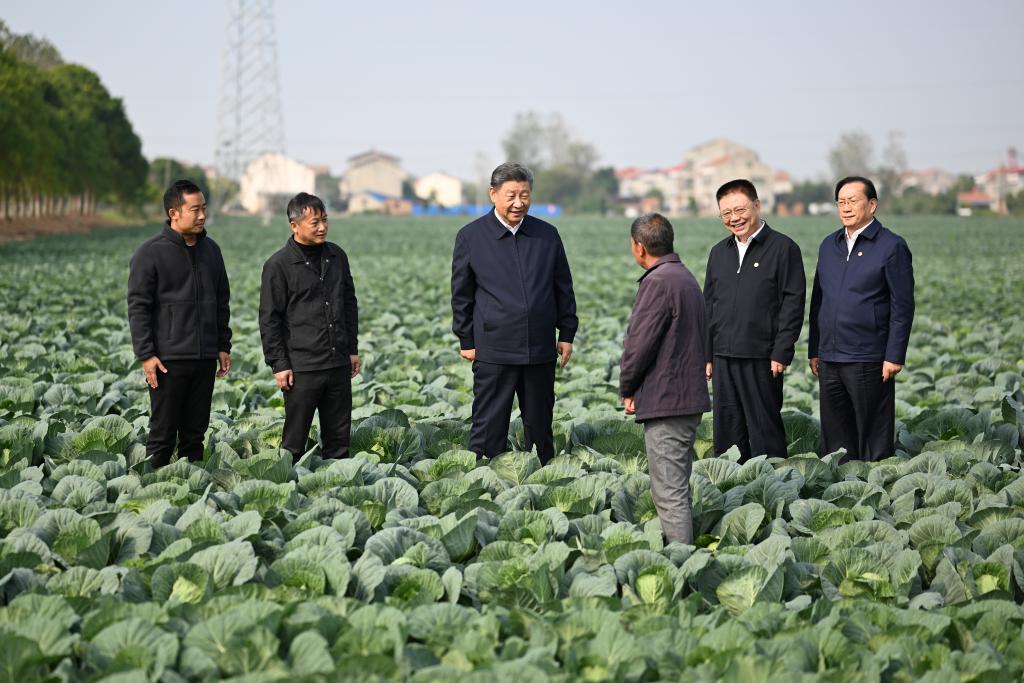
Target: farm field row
[[410, 561]]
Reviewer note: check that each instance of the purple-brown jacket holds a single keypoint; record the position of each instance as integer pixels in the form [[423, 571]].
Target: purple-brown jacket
[[662, 365]]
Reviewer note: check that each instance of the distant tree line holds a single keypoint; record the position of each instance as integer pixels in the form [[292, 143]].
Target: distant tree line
[[565, 167], [66, 145]]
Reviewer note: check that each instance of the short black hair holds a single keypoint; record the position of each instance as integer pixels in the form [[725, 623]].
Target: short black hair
[[174, 197], [869, 187], [299, 203], [654, 232], [511, 171], [739, 185]]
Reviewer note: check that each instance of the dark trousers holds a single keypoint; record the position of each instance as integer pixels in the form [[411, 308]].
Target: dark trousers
[[493, 388], [858, 410], [747, 403], [330, 393], [180, 410]]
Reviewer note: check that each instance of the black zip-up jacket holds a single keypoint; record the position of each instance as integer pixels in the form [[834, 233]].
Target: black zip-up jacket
[[178, 299], [755, 311], [309, 316], [510, 292]]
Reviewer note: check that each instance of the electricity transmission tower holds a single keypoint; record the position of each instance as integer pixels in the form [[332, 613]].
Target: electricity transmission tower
[[249, 119]]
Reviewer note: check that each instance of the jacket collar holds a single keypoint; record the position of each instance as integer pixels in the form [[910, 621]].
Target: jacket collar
[[169, 233], [670, 257], [764, 235], [297, 255], [500, 230], [870, 232]]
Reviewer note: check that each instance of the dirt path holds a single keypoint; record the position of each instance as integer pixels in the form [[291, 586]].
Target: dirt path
[[11, 231]]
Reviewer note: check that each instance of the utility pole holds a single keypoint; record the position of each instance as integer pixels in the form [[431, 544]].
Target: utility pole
[[249, 119]]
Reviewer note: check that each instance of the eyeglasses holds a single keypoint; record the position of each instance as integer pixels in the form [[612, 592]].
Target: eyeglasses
[[843, 203], [739, 213]]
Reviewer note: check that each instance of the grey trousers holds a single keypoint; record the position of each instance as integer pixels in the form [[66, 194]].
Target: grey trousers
[[669, 443]]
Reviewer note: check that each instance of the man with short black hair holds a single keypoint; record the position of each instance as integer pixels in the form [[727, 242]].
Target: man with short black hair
[[309, 324], [754, 290], [661, 375], [862, 309], [179, 314], [511, 289]]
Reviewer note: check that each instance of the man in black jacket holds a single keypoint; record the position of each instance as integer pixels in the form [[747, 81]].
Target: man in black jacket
[[309, 324], [178, 313], [754, 290], [511, 288], [661, 375]]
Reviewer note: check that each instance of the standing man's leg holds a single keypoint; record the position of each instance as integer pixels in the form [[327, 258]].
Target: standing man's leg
[[195, 412], [728, 419], [300, 403], [166, 404], [838, 423], [494, 386], [536, 392], [762, 404], [336, 412], [669, 445], [874, 408]]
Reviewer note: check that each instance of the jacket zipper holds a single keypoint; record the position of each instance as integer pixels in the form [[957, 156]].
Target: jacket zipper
[[195, 289], [522, 287]]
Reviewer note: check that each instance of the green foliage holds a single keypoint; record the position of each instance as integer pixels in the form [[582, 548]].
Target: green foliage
[[414, 561]]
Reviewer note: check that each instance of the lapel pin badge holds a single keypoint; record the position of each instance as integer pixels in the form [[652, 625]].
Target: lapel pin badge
[[860, 253], [756, 265]]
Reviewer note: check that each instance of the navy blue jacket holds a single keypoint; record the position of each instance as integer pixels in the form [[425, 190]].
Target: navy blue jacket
[[510, 292], [862, 308]]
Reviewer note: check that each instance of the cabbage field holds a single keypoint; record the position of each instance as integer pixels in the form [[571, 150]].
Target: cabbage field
[[410, 562]]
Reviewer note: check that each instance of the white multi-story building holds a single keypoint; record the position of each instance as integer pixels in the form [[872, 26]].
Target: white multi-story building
[[375, 172], [439, 188], [270, 180]]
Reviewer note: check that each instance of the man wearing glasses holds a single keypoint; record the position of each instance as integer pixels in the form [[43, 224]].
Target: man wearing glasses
[[862, 308], [754, 293]]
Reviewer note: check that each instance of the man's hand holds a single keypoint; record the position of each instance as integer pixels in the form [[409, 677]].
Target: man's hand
[[630, 405], [357, 364], [149, 368], [564, 353], [468, 354], [285, 379], [778, 368], [707, 371], [224, 359], [890, 370], [814, 366]]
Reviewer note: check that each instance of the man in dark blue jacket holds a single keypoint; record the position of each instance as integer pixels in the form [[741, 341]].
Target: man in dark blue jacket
[[511, 289], [179, 313], [862, 308]]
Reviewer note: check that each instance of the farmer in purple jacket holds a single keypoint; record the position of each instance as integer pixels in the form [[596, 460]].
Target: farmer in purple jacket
[[661, 378]]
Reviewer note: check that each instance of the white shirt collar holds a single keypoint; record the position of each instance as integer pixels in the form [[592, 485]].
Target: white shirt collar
[[851, 240], [511, 228], [744, 245]]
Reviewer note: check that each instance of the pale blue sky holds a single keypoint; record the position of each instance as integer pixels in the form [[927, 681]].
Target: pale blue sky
[[438, 83]]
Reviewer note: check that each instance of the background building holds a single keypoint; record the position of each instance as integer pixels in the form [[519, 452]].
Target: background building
[[270, 180], [375, 172], [439, 189]]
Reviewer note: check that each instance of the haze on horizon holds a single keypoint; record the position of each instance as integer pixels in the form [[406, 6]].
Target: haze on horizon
[[438, 84]]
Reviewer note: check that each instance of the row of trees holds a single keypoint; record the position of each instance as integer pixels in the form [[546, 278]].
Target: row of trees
[[65, 143], [565, 167]]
